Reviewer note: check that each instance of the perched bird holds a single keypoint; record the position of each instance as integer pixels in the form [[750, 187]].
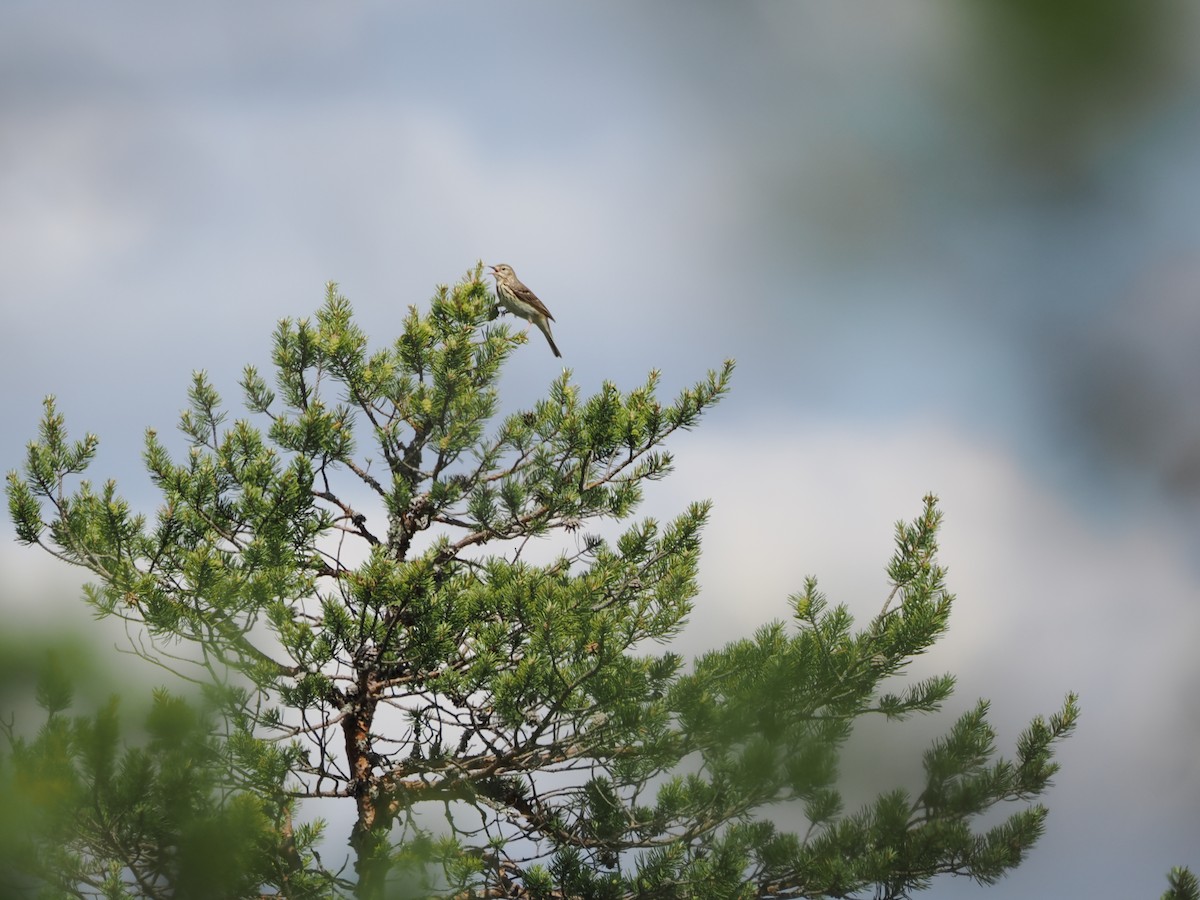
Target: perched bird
[[521, 301]]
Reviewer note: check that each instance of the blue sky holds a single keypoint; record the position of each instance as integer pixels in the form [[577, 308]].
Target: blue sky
[[952, 251]]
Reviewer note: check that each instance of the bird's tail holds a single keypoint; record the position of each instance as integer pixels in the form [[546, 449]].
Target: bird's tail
[[545, 326]]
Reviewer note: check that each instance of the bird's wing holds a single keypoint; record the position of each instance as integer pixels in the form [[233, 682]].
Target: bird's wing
[[531, 298]]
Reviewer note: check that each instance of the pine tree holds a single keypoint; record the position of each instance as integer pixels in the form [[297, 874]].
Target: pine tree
[[353, 583], [1182, 885]]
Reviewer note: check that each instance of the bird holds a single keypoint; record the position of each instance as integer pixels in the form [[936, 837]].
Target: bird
[[521, 301]]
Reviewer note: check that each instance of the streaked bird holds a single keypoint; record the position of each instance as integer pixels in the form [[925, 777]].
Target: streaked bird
[[521, 301]]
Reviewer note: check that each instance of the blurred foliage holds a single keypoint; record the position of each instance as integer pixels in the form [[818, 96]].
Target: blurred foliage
[[95, 805], [1058, 77]]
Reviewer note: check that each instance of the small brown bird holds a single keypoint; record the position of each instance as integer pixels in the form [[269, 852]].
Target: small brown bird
[[521, 301]]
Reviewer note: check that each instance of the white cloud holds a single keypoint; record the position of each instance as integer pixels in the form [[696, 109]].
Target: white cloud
[[63, 217]]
